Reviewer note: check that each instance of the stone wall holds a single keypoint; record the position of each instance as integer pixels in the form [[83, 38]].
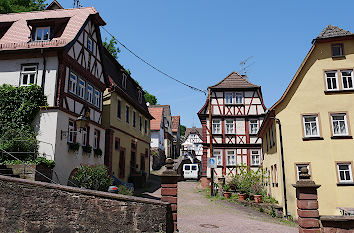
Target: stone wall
[[31, 206], [337, 224]]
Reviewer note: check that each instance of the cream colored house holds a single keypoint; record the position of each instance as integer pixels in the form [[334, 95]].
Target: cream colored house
[[315, 114]]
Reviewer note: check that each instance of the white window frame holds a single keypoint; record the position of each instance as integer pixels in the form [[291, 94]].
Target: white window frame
[[229, 126], [42, 35], [299, 166], [81, 88], [28, 74], [345, 122], [230, 155], [97, 98], [311, 125], [95, 139], [346, 78], [336, 79], [124, 80], [217, 154], [73, 83], [227, 98], [89, 44], [349, 170], [89, 96], [84, 136], [238, 94], [256, 154], [71, 133], [252, 124], [216, 126]]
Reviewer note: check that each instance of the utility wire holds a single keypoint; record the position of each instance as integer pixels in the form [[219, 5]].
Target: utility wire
[[154, 67]]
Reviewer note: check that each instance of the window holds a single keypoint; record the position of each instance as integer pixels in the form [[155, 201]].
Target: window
[[146, 127], [97, 101], [134, 119], [228, 98], [81, 88], [72, 83], [122, 164], [253, 126], [124, 80], [331, 80], [71, 129], [230, 127], [84, 136], [116, 144], [311, 126], [42, 34], [140, 96], [127, 109], [140, 123], [273, 133], [337, 50], [239, 98], [347, 79], [119, 108], [339, 124], [275, 175], [96, 137], [345, 172], [89, 95], [216, 126], [298, 169], [89, 44], [217, 155], [28, 75], [255, 158], [231, 158]]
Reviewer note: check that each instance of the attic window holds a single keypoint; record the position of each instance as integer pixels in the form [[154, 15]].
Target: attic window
[[89, 44], [4, 26], [337, 50], [124, 81], [140, 96], [42, 34]]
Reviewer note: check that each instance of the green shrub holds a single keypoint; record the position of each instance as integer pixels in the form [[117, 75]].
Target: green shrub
[[39, 161], [87, 148], [74, 146], [93, 177], [122, 189], [97, 152], [248, 181]]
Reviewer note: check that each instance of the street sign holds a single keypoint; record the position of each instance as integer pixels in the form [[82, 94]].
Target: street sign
[[212, 163]]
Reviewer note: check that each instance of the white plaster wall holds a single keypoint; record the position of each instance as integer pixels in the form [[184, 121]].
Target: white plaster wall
[[10, 72], [154, 139]]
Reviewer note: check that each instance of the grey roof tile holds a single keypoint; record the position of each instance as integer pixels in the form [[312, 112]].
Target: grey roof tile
[[333, 31]]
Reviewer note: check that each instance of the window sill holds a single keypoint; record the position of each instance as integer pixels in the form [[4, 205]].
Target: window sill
[[342, 137], [331, 92], [338, 57], [312, 138], [346, 184]]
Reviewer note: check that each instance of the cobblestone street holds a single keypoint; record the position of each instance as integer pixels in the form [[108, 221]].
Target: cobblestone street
[[198, 214]]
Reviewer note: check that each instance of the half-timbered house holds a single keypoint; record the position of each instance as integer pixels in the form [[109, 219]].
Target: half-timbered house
[[194, 142], [237, 111], [59, 50]]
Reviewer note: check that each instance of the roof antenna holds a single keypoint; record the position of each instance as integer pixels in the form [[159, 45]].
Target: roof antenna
[[244, 65], [77, 4]]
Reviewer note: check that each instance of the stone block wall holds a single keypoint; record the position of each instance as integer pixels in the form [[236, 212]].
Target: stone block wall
[[337, 224], [31, 206]]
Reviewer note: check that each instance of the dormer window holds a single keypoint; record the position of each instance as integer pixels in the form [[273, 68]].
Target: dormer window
[[42, 34], [124, 81], [140, 96], [89, 44]]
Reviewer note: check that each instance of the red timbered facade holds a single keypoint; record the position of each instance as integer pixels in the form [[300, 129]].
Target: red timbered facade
[[237, 111]]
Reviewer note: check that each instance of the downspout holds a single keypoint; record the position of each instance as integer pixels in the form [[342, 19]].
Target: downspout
[[44, 70]]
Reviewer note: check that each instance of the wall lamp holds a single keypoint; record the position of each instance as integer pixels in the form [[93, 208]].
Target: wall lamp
[[81, 123]]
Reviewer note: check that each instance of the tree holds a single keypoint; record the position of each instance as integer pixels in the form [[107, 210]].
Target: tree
[[182, 130], [112, 47], [14, 6], [150, 98]]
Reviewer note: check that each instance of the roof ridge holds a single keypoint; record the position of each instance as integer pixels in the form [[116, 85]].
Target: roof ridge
[[236, 80], [27, 12], [333, 31]]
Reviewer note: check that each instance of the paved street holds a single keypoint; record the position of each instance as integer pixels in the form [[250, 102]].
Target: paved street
[[198, 214]]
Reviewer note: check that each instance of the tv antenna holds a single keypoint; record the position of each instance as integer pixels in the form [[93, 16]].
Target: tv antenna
[[77, 4], [245, 64]]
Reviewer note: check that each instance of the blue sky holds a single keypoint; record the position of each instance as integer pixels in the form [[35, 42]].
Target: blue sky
[[202, 41]]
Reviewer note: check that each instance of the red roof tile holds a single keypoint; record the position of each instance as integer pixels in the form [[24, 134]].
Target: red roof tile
[[17, 36], [176, 120], [155, 124], [234, 80]]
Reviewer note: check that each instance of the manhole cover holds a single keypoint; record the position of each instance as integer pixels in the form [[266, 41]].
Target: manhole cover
[[208, 226]]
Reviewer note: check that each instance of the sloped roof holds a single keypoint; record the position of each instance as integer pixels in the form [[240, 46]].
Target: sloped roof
[[18, 35], [234, 80], [176, 120], [54, 5], [166, 108], [194, 130], [333, 31], [156, 112]]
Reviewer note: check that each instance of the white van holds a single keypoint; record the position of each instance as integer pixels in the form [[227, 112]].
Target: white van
[[191, 171]]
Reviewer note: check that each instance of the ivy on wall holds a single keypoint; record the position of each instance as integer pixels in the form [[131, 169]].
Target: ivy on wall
[[18, 108]]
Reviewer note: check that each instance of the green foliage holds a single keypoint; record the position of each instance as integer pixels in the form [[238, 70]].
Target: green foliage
[[122, 189], [150, 98], [182, 130], [226, 188], [269, 199], [87, 148], [97, 152], [14, 6], [248, 181], [112, 47], [18, 108], [39, 161], [272, 212], [94, 177]]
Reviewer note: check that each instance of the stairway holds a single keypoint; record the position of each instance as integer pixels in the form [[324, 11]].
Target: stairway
[[5, 171]]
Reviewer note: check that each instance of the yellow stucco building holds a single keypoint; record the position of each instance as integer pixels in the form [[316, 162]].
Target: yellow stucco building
[[127, 121], [315, 114]]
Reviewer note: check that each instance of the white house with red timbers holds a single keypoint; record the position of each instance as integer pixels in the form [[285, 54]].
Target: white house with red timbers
[[59, 50], [237, 111]]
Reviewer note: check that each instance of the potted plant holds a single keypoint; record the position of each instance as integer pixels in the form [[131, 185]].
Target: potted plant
[[74, 146], [87, 149], [227, 193], [97, 152], [257, 190]]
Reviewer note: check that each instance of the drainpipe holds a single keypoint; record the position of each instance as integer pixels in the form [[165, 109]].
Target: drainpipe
[[44, 70], [282, 165]]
